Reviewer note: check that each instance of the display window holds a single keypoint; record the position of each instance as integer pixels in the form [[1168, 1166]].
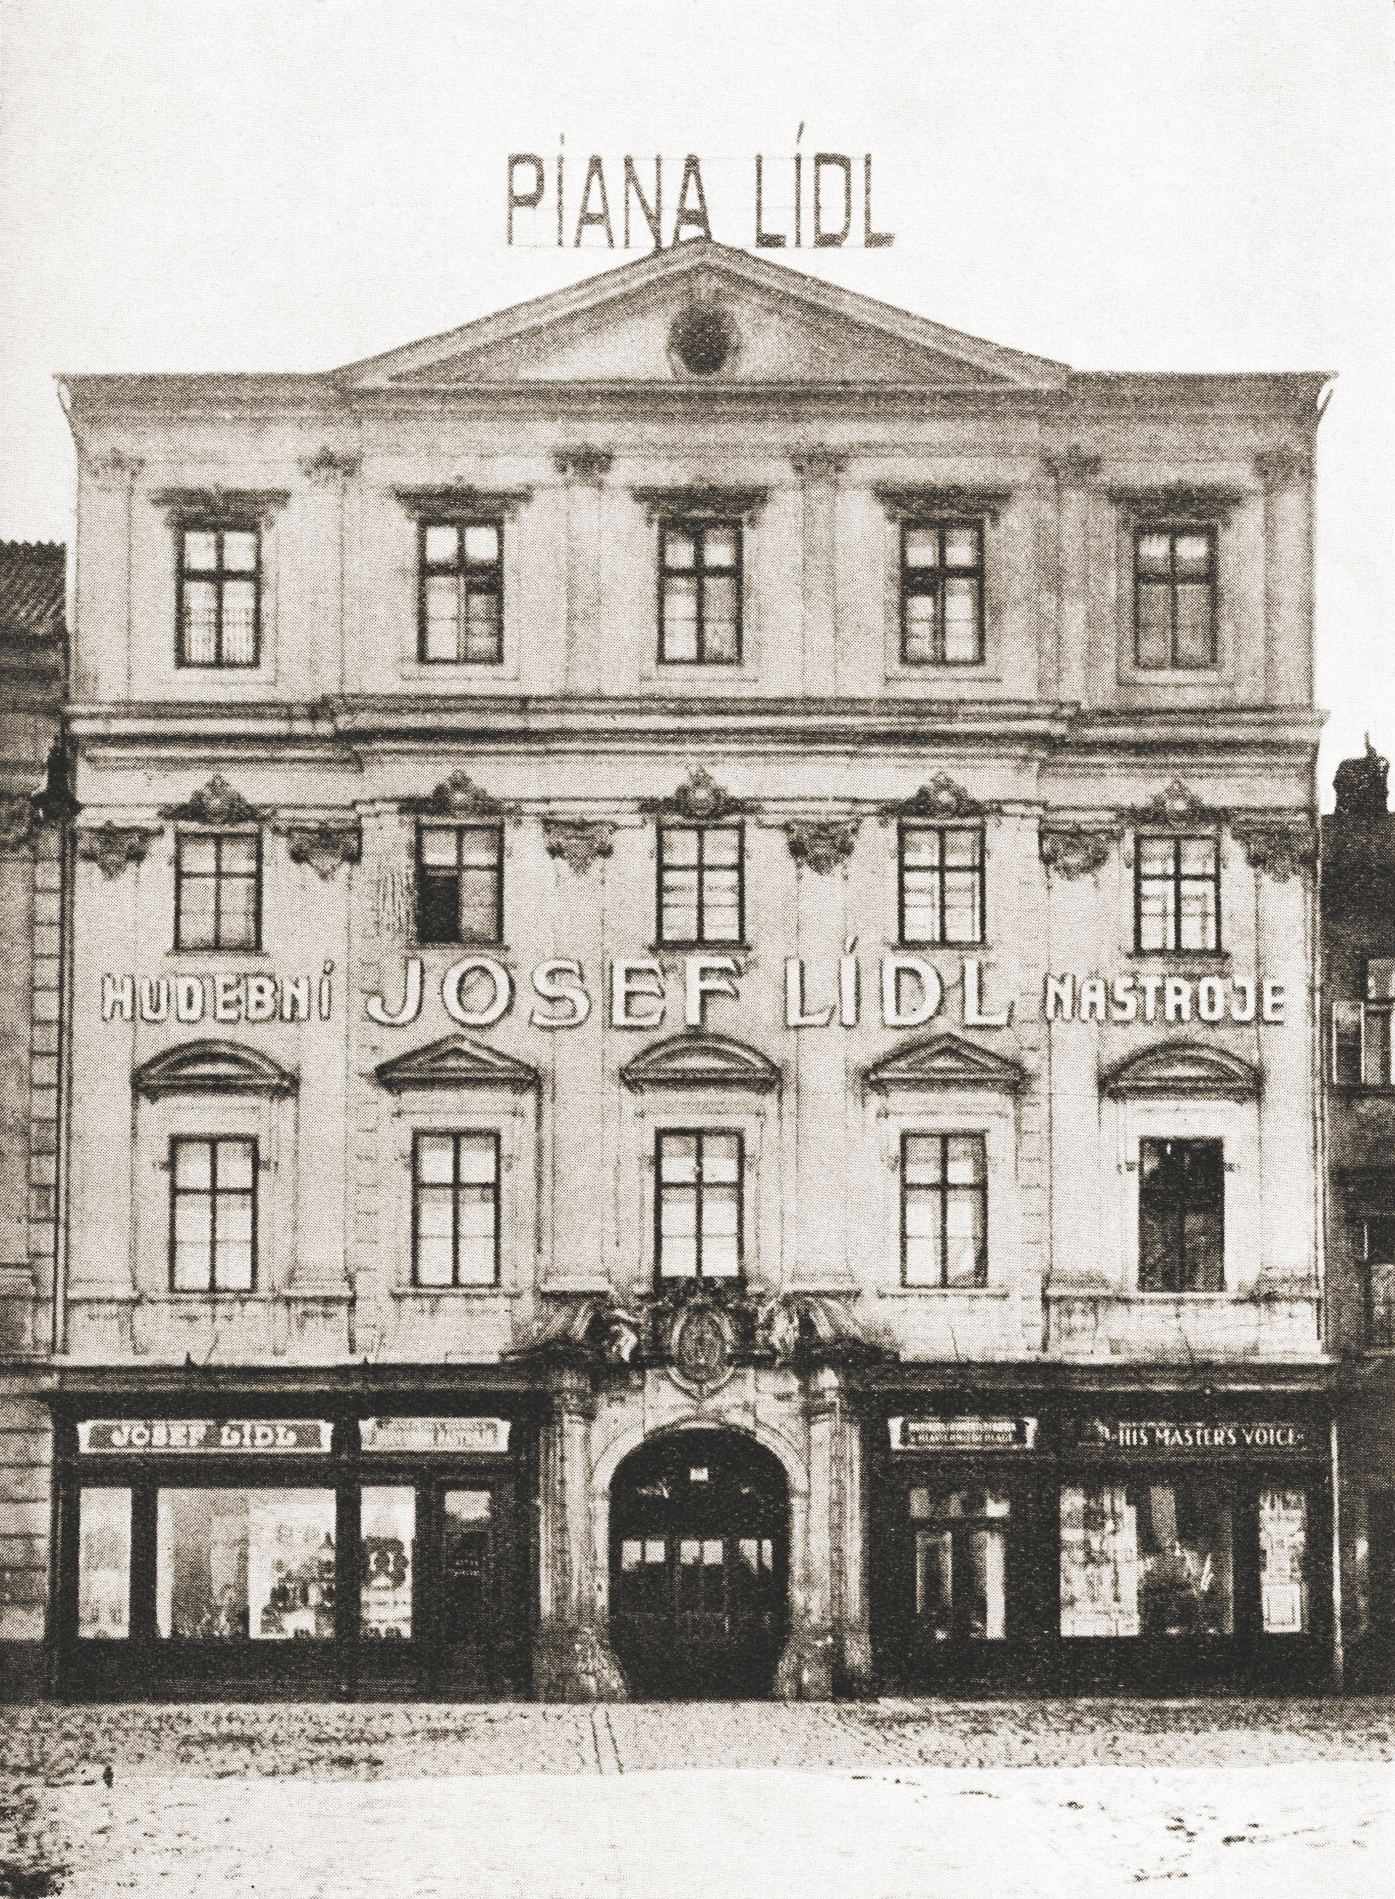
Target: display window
[[244, 1565], [1146, 1559], [104, 1564]]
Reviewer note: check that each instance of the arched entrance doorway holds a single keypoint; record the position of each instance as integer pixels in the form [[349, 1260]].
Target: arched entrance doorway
[[699, 1566]]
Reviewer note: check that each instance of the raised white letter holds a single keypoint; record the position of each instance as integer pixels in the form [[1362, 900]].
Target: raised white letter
[[703, 976], [932, 991], [974, 1017], [622, 987], [378, 1010], [795, 1017], [450, 992], [550, 990]]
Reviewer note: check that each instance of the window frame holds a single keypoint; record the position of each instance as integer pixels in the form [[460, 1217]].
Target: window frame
[[455, 1136], [942, 1190], [218, 835], [420, 870], [253, 1194], [696, 529], [461, 570], [698, 1277], [1379, 1316], [701, 941], [1175, 529], [940, 940], [1179, 1209], [218, 575], [978, 572], [1177, 839]]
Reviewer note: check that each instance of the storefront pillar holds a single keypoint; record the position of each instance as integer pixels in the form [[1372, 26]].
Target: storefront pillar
[[572, 1658], [819, 1639]]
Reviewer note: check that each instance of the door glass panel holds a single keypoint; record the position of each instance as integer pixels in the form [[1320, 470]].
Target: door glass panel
[[387, 1529], [1283, 1550], [934, 1581], [1099, 1561], [988, 1585], [465, 1524], [245, 1565], [1184, 1559], [104, 1564]]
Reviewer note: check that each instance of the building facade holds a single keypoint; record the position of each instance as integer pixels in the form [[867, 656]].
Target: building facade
[[694, 1016]]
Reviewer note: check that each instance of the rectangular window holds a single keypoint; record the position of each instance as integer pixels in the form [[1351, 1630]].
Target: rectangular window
[[1181, 1216], [941, 883], [944, 1210], [1283, 1561], [700, 593], [1175, 598], [104, 1564], [698, 1216], [1363, 1048], [387, 1561], [213, 1214], [460, 616], [1177, 893], [455, 1209], [942, 594], [244, 1565], [218, 890], [220, 577], [701, 888], [460, 883], [1373, 1244], [961, 1562], [1149, 1559]]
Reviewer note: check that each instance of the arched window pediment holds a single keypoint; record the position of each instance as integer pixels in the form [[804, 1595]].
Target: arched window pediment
[[1181, 1070], [212, 1068], [701, 1061]]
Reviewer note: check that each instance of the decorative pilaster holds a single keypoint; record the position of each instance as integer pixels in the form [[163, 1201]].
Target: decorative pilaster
[[572, 1657], [1287, 476], [818, 469], [1074, 473]]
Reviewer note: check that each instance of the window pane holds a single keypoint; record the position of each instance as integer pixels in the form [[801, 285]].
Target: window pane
[[680, 618], [920, 629], [104, 1564], [987, 1605], [719, 547], [961, 622], [922, 547], [200, 622], [1283, 1552], [721, 906], [442, 618], [1380, 979], [193, 1165], [387, 1532], [1154, 624], [719, 613], [477, 1158], [1154, 554], [200, 552], [920, 847], [721, 1157], [1184, 1559], [237, 921], [479, 906], [434, 1256], [934, 1581], [233, 1268], [631, 1556], [482, 643], [721, 1255], [680, 905], [442, 544], [1193, 556], [961, 547], [963, 923], [922, 1238], [438, 847], [239, 622], [678, 1157], [237, 852], [678, 549], [1198, 920], [922, 1158], [963, 1237], [965, 1165], [235, 1164], [482, 542], [239, 1565], [475, 1256], [1194, 639], [240, 553], [435, 1158], [1099, 1562]]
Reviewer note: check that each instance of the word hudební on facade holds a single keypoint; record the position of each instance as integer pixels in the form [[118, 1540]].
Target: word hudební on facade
[[228, 996], [204, 1434]]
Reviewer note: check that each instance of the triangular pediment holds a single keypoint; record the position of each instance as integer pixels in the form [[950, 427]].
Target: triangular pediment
[[456, 1062], [944, 1061], [763, 323], [701, 1061], [212, 1068], [1171, 1069]]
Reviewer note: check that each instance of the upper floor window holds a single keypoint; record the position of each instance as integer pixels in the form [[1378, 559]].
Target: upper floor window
[[455, 1209], [941, 887], [1181, 1216], [1363, 1050], [1175, 598], [942, 593], [944, 1210], [218, 890], [1177, 893], [700, 593], [213, 1214], [698, 1223], [461, 607], [219, 596], [460, 883], [701, 895], [1374, 1246]]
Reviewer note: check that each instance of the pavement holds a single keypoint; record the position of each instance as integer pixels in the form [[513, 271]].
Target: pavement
[[889, 1798]]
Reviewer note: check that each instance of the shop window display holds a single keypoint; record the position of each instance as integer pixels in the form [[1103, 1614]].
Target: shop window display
[[245, 1565], [1149, 1559], [104, 1564], [387, 1539], [961, 1558], [1283, 1553]]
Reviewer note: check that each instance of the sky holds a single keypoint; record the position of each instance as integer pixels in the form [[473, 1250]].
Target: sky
[[295, 184]]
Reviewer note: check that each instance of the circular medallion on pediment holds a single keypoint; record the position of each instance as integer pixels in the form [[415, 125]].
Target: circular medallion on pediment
[[701, 1349], [703, 339]]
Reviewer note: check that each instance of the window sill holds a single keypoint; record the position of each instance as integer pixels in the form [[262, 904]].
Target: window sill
[[455, 1292], [692, 949], [1182, 959], [943, 1292], [915, 675]]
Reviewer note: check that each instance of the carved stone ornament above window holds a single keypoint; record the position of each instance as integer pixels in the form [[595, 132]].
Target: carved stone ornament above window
[[578, 841], [458, 797], [328, 465], [216, 803], [701, 1061], [212, 1068], [1073, 853], [1179, 501], [822, 844], [701, 501], [1178, 804], [1074, 468], [459, 500], [819, 464], [583, 463], [324, 847], [941, 798], [187, 505], [904, 504], [456, 1062], [16, 820], [944, 1061], [1281, 850], [1181, 1070], [111, 847], [700, 801], [1282, 467]]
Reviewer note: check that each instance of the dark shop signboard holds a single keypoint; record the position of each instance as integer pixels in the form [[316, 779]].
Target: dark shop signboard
[[207, 1435]]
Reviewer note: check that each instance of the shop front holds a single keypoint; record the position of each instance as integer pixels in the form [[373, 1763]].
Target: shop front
[[293, 1556], [1134, 1547]]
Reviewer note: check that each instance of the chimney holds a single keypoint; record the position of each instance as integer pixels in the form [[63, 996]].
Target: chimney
[[1360, 785]]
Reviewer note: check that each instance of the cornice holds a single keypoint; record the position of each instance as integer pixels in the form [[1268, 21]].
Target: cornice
[[1186, 500], [709, 499], [457, 500], [905, 502], [215, 503]]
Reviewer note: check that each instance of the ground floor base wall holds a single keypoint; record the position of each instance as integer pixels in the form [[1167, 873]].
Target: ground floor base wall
[[26, 1466]]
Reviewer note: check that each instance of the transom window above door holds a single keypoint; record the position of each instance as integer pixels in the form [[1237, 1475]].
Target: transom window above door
[[700, 593]]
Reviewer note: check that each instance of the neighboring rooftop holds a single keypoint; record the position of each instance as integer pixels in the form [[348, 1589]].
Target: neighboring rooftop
[[32, 583]]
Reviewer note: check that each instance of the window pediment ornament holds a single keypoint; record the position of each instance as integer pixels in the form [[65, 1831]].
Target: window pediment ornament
[[456, 500], [1179, 500], [329, 465], [217, 802], [1181, 1070], [458, 797], [908, 502], [324, 846], [212, 1068], [456, 1062], [1074, 851], [702, 501], [941, 799], [215, 503], [578, 841], [944, 1061], [583, 463], [1281, 850], [111, 847], [701, 800], [701, 1061], [1177, 804], [822, 844]]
